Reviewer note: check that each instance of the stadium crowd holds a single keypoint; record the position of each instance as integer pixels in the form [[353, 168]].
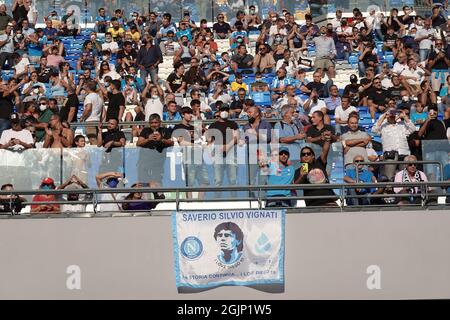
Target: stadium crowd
[[284, 92]]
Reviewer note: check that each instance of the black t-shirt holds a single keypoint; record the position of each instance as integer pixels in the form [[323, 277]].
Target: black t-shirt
[[395, 92], [390, 39], [370, 57], [447, 123], [436, 130], [158, 145], [378, 96], [115, 101], [130, 56], [440, 63], [6, 106], [188, 128], [320, 88], [406, 20], [438, 21], [175, 81], [237, 104], [114, 135], [316, 164], [318, 192], [223, 127], [352, 90], [314, 132], [72, 102], [221, 28], [242, 61], [44, 74]]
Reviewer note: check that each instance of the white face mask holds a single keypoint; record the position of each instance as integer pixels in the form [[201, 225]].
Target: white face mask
[[224, 114], [108, 40], [155, 97], [405, 98], [207, 38], [104, 58], [42, 107]]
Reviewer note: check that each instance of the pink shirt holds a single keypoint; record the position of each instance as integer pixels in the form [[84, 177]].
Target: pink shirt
[[54, 61]]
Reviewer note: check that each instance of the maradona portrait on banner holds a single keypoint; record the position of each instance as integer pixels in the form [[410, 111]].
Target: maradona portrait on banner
[[230, 239]]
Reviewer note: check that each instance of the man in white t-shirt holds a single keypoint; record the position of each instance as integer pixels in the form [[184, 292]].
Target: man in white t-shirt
[[109, 44], [414, 74], [6, 47], [16, 138], [425, 37], [110, 180], [93, 110], [342, 112], [21, 65]]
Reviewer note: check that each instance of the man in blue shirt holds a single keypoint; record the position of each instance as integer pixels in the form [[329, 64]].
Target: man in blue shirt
[[165, 28], [279, 172], [101, 21], [171, 114], [184, 31], [364, 176], [49, 31]]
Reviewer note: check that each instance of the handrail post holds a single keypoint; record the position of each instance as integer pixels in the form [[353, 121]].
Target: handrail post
[[177, 199], [259, 199]]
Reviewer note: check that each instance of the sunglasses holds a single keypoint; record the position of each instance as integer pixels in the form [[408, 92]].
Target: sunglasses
[[359, 161], [284, 153], [411, 164], [305, 154]]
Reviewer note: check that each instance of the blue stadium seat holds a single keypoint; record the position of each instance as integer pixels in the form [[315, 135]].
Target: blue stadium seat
[[353, 60], [262, 98]]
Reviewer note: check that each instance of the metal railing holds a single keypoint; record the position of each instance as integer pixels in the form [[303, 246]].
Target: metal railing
[[255, 195], [380, 163]]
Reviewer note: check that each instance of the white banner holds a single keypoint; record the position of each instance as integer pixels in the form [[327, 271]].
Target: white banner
[[241, 248]]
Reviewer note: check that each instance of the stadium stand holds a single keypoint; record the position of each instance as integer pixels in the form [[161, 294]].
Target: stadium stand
[[113, 108]]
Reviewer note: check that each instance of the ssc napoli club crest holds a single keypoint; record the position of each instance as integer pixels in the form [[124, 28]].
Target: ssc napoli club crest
[[191, 248]]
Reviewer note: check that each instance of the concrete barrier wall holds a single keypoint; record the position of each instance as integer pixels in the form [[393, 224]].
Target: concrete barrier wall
[[327, 257]]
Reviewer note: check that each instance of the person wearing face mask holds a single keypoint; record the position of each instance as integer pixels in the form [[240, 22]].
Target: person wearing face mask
[[238, 37], [223, 135], [46, 184], [152, 100], [186, 51], [110, 44], [405, 102], [46, 110], [111, 180], [253, 19]]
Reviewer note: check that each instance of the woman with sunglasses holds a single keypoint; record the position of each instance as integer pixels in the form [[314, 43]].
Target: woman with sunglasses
[[307, 158]]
